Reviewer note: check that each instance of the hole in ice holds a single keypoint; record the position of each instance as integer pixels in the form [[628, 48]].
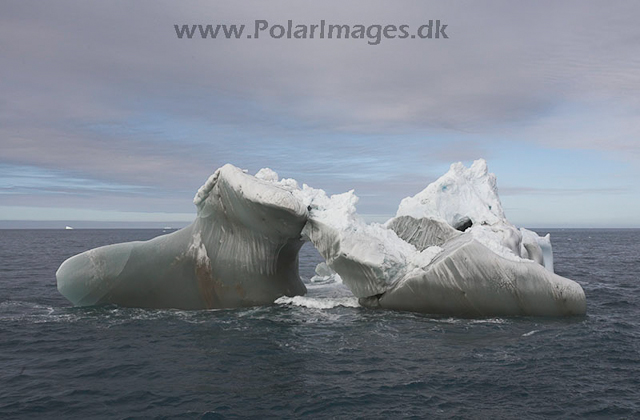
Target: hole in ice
[[463, 224]]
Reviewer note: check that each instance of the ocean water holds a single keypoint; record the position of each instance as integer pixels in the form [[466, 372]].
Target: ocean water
[[320, 356]]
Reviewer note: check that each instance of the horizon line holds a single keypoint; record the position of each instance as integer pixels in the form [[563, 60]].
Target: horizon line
[[124, 224]]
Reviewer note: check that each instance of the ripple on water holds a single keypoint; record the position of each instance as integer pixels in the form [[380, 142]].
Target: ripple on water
[[320, 355]]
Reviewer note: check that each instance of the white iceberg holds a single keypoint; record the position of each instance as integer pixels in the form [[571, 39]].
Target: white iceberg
[[537, 248], [449, 250], [242, 250], [325, 275]]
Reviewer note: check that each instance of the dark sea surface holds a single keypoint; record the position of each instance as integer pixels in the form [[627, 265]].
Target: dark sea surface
[[311, 358]]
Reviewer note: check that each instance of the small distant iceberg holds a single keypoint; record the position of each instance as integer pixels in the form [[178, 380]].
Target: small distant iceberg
[[68, 228], [449, 250]]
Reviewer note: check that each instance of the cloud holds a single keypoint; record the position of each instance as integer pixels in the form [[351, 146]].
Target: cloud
[[501, 64], [110, 95], [507, 191]]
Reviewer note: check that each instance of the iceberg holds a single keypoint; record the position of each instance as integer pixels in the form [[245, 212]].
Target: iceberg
[[449, 250], [241, 250], [537, 248]]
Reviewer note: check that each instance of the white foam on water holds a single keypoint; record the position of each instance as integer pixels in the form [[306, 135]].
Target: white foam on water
[[489, 321], [318, 303]]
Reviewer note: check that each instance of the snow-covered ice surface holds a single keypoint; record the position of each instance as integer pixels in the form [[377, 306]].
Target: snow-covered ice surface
[[467, 198], [449, 250]]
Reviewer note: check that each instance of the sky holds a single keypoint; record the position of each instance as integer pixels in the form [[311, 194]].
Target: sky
[[108, 118]]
